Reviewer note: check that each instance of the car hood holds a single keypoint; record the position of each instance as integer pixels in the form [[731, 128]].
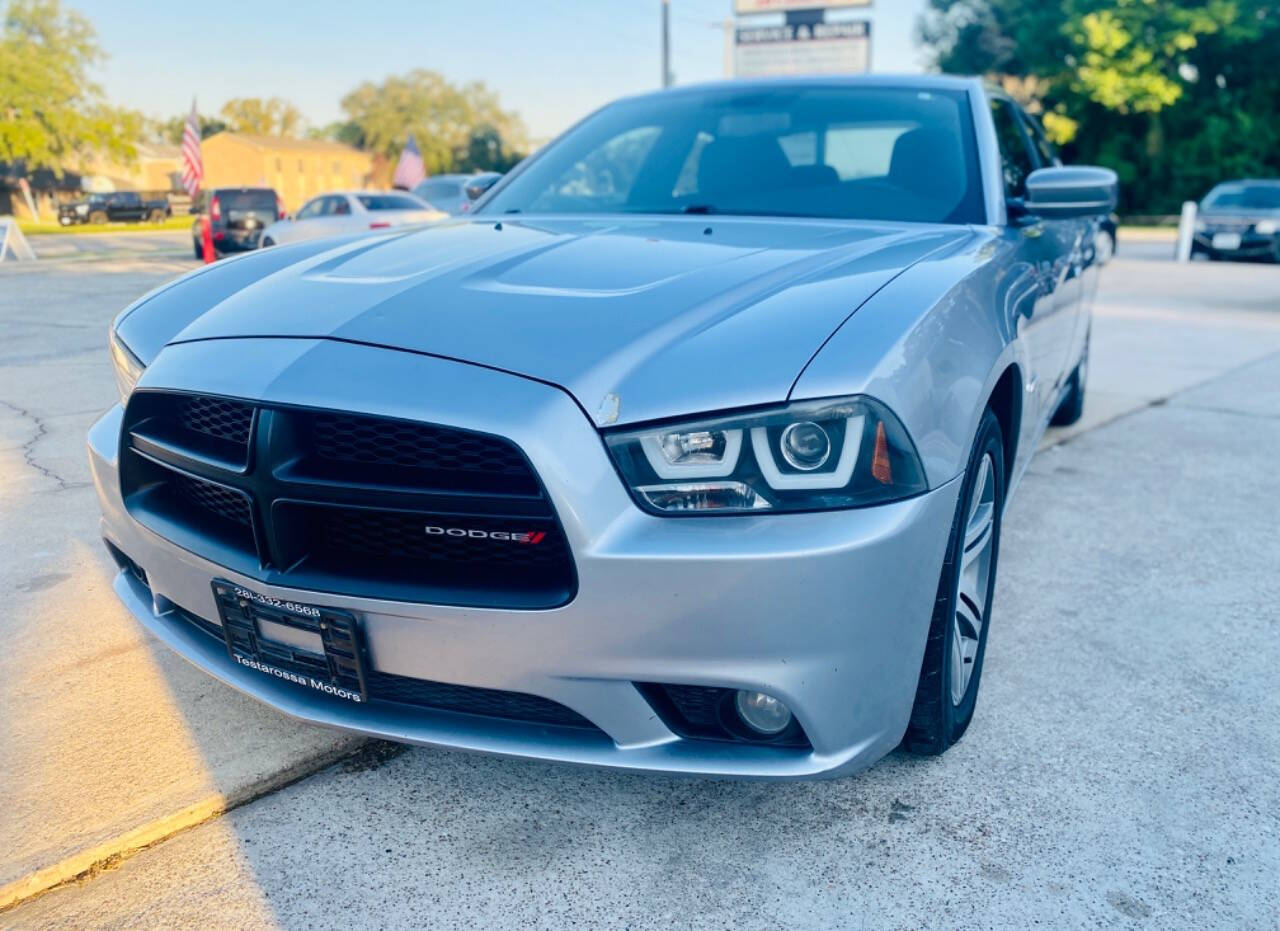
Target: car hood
[[638, 318]]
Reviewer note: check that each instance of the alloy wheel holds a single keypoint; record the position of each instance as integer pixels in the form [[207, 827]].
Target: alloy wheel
[[973, 581]]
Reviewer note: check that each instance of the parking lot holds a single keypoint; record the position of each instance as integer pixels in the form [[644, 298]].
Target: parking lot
[[1121, 769]]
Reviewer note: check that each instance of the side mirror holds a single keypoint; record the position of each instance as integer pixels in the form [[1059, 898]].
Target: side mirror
[[1067, 193], [481, 184]]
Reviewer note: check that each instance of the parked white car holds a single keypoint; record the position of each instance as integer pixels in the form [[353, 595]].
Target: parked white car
[[341, 212]]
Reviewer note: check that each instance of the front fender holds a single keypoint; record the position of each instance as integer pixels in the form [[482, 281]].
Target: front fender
[[932, 344]]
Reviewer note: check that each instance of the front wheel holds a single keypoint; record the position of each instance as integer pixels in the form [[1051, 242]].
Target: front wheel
[[267, 242], [97, 218], [947, 692]]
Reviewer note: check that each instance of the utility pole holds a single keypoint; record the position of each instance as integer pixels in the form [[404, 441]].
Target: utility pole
[[666, 43]]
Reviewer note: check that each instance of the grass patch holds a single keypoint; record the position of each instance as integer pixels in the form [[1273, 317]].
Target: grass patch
[[32, 228]]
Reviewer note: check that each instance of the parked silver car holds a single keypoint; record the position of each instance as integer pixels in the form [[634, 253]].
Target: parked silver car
[[454, 194], [687, 452], [342, 212]]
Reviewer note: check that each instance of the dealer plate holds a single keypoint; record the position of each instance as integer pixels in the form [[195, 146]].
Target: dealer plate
[[309, 645], [1226, 241]]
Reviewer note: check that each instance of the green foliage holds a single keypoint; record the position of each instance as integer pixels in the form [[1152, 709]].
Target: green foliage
[[1174, 95], [255, 116], [50, 112], [454, 126], [170, 130]]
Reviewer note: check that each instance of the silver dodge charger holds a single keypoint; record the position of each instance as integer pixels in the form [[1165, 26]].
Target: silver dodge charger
[[685, 451]]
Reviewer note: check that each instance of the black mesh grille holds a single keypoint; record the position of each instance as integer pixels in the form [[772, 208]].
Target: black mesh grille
[[380, 441], [217, 417], [490, 703], [346, 503], [401, 535], [224, 502]]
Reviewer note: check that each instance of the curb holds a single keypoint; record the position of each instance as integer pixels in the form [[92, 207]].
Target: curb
[[108, 853]]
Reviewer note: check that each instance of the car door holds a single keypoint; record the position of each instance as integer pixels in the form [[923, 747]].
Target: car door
[[1046, 307]]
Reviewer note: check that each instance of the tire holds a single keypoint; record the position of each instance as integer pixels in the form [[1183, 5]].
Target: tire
[[267, 242], [953, 662], [156, 216], [1071, 408], [98, 217], [197, 248]]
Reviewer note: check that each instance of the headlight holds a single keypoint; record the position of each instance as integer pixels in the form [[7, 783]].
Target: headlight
[[1266, 227], [127, 367], [808, 456]]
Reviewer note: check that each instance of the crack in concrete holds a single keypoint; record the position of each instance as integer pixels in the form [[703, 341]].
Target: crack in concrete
[[29, 448]]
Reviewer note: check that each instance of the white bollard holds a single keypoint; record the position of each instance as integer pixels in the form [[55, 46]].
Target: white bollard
[[1186, 230]]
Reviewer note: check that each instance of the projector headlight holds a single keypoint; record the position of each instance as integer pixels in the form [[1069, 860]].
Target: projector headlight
[[807, 456], [128, 368]]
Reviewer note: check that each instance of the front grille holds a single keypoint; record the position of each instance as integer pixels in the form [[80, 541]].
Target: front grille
[[345, 503], [370, 441], [399, 535], [217, 417], [226, 503], [489, 703]]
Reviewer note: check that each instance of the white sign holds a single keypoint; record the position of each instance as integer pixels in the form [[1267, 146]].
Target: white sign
[[746, 7], [817, 48], [13, 245]]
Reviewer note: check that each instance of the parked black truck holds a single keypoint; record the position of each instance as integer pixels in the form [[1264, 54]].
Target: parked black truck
[[119, 207]]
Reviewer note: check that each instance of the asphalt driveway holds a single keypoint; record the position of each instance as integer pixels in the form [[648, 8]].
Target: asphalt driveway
[[1122, 767]]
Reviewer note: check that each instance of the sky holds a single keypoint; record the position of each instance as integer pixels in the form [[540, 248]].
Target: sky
[[552, 61]]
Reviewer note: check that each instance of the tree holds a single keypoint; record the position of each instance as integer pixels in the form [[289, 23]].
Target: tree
[[258, 117], [441, 116], [171, 130], [1174, 95], [50, 112]]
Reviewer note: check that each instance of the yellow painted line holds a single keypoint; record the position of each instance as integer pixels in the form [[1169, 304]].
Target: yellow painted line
[[86, 863]]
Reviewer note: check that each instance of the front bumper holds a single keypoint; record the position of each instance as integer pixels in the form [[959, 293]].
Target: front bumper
[[1252, 245], [828, 612]]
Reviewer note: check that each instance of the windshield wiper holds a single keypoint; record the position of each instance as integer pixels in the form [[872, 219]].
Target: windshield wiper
[[699, 208]]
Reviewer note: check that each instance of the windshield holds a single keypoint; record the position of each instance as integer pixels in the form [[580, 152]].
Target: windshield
[[1244, 197], [853, 152]]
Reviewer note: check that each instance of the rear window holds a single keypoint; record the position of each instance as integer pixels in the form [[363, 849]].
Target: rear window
[[1245, 197], [388, 202], [439, 190], [247, 200]]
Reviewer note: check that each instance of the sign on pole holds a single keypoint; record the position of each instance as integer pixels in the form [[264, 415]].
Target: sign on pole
[[747, 7], [803, 48]]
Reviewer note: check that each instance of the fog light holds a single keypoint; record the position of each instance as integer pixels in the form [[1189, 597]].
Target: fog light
[[763, 713]]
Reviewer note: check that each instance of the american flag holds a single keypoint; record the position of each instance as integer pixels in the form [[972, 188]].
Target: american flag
[[409, 170], [192, 164]]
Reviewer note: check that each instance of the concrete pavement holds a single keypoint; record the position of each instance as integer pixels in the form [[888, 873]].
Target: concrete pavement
[[1121, 768], [103, 734]]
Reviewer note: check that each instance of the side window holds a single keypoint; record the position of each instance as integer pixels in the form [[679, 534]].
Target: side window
[[1044, 148], [1014, 153], [310, 209], [340, 207]]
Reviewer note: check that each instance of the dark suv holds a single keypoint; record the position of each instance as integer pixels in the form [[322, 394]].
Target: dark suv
[[237, 216]]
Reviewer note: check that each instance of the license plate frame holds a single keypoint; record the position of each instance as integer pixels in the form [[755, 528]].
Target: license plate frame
[[339, 669], [1228, 242]]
